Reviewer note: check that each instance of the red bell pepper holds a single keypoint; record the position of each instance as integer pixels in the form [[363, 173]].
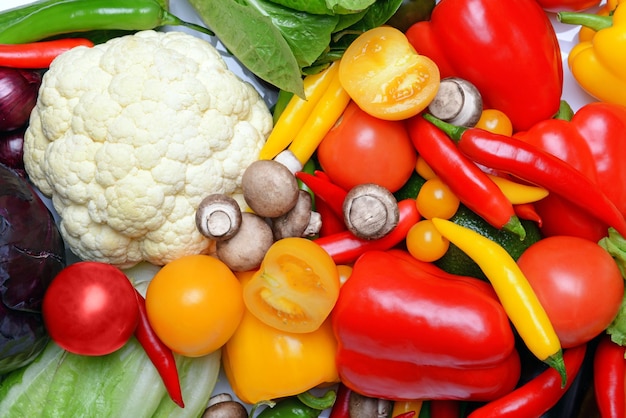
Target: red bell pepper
[[567, 5], [594, 142], [404, 333], [537, 396], [609, 368], [474, 188], [507, 49]]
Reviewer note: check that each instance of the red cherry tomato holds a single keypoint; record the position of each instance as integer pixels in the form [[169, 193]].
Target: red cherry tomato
[[578, 284], [363, 149], [90, 308]]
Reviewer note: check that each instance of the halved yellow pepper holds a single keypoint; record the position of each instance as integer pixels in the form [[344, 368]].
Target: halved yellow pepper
[[597, 64], [263, 363]]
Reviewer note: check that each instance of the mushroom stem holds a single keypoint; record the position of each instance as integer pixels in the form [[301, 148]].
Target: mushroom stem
[[218, 217], [370, 211], [300, 221], [457, 102]]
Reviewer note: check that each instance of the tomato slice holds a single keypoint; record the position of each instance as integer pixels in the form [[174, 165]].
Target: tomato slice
[[386, 77], [295, 288]]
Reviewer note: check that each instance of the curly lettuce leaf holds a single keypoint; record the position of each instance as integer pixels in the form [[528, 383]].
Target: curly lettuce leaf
[[615, 245]]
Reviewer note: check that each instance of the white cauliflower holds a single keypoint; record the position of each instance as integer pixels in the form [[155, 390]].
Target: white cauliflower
[[129, 136]]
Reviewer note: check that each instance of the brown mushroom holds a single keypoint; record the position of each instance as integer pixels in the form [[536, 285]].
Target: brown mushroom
[[223, 406], [245, 250], [361, 406], [457, 102], [269, 188], [300, 221], [218, 216], [370, 211]]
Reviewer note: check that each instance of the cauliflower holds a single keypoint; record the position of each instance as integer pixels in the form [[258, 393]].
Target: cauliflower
[[129, 136]]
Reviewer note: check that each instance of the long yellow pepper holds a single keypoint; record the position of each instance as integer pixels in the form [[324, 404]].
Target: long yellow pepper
[[513, 289], [297, 111], [402, 407], [326, 113], [518, 193]]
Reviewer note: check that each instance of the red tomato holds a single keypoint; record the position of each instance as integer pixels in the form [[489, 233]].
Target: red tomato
[[578, 284], [90, 309], [363, 149]]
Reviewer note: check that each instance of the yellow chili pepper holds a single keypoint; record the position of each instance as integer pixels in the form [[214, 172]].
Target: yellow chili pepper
[[518, 193], [263, 363], [402, 407], [297, 111], [597, 64], [514, 291], [326, 113]]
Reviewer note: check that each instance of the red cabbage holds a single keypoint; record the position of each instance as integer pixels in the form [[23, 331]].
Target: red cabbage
[[31, 254]]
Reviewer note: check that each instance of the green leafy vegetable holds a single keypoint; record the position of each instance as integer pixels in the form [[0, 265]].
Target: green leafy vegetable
[[125, 383], [615, 245], [327, 6], [279, 43]]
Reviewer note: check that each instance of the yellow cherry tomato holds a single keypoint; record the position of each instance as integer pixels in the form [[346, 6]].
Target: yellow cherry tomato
[[295, 288], [386, 77], [496, 121], [425, 242], [436, 200], [194, 304], [344, 271]]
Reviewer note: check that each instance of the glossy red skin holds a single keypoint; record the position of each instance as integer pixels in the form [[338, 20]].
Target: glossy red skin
[[492, 43], [394, 344], [567, 5], [537, 396], [570, 276], [90, 308], [609, 367], [594, 142], [363, 149]]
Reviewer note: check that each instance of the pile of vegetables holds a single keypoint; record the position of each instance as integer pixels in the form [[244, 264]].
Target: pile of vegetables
[[416, 228]]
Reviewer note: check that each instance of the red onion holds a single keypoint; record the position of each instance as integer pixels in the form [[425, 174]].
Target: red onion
[[18, 95], [12, 149]]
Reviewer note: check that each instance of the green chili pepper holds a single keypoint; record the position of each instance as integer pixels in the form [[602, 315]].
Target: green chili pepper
[[47, 18], [290, 408]]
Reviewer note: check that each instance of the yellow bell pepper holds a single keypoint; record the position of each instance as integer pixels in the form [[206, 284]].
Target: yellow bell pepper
[[586, 34], [598, 65], [263, 363]]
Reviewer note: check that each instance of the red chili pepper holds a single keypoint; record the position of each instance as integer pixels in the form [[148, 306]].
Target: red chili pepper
[[528, 212], [444, 408], [341, 407], [345, 247], [482, 42], [37, 54], [609, 369], [537, 396], [470, 184], [160, 355], [408, 414], [532, 164], [393, 344], [325, 190], [331, 224], [593, 140]]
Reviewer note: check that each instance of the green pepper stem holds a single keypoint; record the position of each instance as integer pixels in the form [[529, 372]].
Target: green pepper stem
[[515, 226], [323, 402], [565, 112], [556, 362], [590, 20], [453, 131], [170, 19]]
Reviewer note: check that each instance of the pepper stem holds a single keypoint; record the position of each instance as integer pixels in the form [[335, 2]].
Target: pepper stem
[[170, 19], [556, 362], [323, 402], [515, 226], [589, 20], [453, 131], [565, 112]]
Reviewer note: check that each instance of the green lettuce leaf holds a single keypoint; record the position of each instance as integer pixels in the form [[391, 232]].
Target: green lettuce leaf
[[615, 245], [329, 7]]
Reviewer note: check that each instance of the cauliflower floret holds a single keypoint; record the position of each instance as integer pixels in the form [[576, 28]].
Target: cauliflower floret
[[129, 136]]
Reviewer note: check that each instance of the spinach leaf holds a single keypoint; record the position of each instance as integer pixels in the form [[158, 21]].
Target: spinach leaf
[[329, 7], [254, 40]]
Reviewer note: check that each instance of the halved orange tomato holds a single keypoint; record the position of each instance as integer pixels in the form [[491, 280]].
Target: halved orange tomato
[[386, 77], [295, 288]]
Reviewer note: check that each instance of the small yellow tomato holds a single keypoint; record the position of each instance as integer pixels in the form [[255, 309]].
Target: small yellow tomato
[[295, 288], [425, 242], [386, 77], [436, 200], [194, 304], [496, 121]]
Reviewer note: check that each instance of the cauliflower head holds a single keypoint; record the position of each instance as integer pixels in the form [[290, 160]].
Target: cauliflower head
[[129, 136]]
